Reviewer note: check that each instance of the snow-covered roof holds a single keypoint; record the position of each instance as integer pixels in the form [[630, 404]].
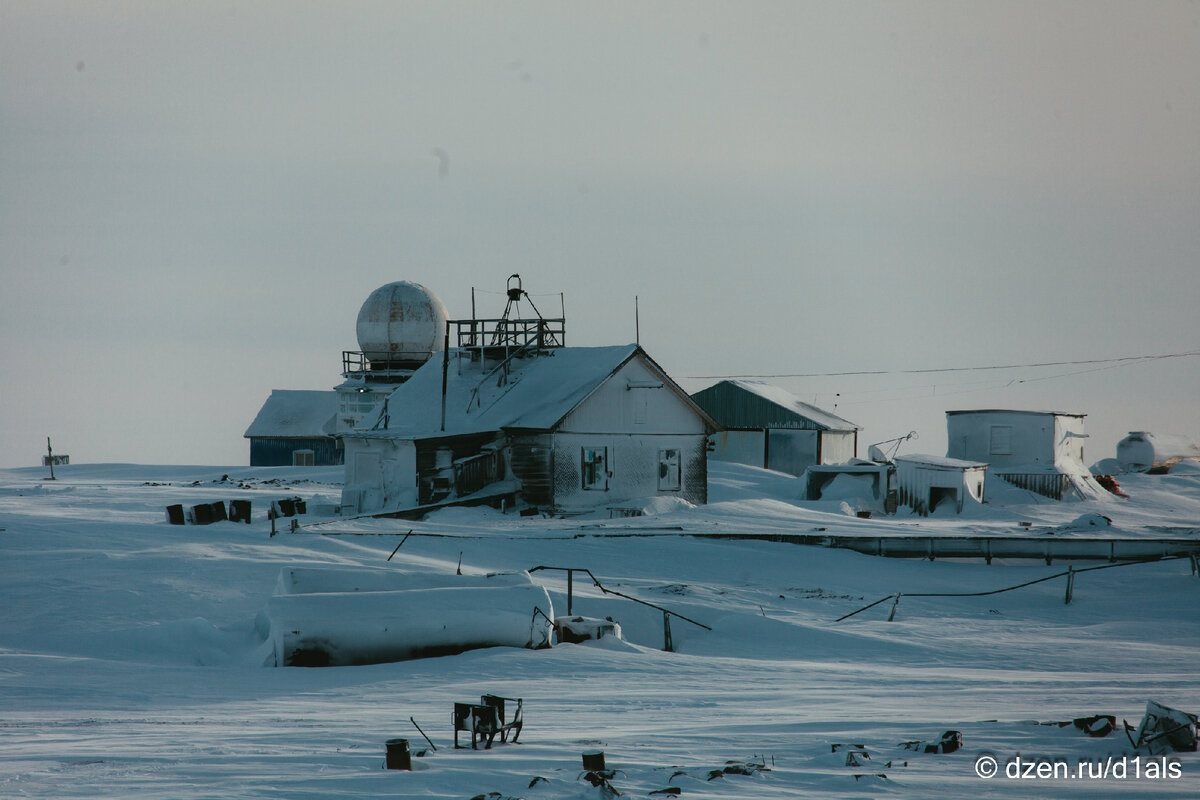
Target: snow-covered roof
[[939, 462], [1014, 411], [536, 394], [295, 413], [786, 400]]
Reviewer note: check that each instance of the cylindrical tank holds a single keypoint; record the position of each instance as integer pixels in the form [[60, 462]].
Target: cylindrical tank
[[401, 325], [1137, 452], [351, 628], [1142, 451]]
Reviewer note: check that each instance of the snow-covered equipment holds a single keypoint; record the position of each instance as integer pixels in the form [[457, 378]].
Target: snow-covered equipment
[[324, 580], [1166, 730], [374, 627], [573, 630]]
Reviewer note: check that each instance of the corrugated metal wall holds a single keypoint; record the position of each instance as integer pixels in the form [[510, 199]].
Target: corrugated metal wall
[[922, 487], [277, 452]]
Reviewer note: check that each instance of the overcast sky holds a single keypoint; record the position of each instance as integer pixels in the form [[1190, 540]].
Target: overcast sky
[[196, 198]]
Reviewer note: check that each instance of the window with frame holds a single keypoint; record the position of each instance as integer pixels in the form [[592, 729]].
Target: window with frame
[[669, 470], [594, 468]]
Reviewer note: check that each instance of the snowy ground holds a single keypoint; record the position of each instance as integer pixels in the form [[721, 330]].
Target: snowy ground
[[131, 664]]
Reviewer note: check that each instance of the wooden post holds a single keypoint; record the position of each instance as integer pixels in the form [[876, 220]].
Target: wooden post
[[668, 645], [1070, 583], [50, 458], [446, 368], [892, 615], [570, 590]]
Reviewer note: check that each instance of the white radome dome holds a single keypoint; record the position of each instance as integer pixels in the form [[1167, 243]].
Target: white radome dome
[[401, 323]]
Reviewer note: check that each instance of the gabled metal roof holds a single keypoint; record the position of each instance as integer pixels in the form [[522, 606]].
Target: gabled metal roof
[[741, 404], [295, 413], [534, 393]]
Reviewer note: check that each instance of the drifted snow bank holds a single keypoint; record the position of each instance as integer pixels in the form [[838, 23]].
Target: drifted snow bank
[[311, 625]]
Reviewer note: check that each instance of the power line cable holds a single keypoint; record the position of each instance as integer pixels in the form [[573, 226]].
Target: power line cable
[[1112, 361]]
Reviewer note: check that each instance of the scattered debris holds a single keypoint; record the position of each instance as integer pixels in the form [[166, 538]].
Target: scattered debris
[[739, 768], [594, 772], [1165, 730], [949, 743], [1109, 483], [857, 755], [1082, 523], [820, 594], [1100, 725], [602, 780], [1097, 725], [854, 758]]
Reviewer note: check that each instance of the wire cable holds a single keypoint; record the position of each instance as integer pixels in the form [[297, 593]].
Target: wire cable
[[1110, 361]]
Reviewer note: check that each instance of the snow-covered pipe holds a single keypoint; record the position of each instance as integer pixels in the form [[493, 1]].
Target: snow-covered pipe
[[350, 628]]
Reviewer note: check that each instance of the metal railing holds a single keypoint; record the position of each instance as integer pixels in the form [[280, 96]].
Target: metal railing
[[357, 362], [668, 645], [488, 333], [1070, 574]]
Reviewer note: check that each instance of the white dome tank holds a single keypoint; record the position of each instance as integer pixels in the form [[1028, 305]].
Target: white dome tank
[[401, 325]]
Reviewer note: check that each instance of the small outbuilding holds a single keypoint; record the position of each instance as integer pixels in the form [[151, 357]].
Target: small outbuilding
[[295, 428], [1041, 451], [927, 483], [766, 426]]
